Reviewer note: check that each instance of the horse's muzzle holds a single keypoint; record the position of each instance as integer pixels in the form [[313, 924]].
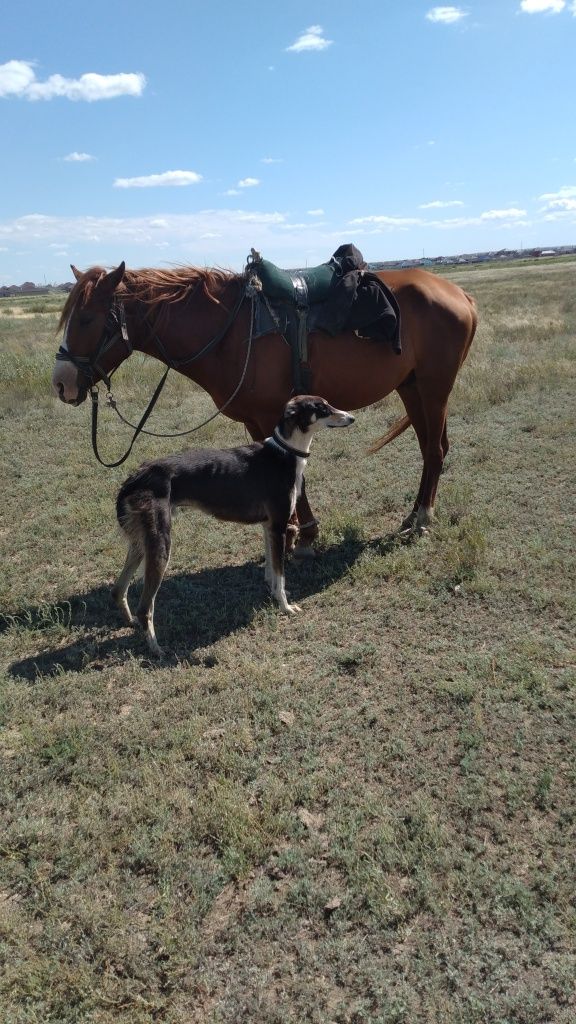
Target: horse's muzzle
[[80, 397]]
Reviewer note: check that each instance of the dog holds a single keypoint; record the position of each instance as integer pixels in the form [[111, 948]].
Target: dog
[[255, 483]]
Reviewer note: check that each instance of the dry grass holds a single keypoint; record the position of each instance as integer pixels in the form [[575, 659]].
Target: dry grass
[[363, 814]]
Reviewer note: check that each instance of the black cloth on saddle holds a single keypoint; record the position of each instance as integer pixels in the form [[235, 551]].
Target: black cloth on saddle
[[360, 301], [375, 312], [338, 304]]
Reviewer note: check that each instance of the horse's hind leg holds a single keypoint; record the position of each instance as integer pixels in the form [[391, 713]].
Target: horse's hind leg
[[428, 417], [412, 402], [436, 446]]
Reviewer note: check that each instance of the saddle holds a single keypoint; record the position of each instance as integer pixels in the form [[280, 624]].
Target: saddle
[[340, 295]]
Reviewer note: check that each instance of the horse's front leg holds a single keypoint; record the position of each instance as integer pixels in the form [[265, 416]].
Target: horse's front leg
[[307, 524]]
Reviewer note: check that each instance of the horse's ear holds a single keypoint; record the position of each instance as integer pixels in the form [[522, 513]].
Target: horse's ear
[[77, 273], [110, 282]]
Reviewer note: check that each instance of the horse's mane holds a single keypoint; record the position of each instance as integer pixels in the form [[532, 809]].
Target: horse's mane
[[151, 285]]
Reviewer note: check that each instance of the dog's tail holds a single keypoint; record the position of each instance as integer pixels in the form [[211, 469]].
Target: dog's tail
[[139, 502], [396, 429]]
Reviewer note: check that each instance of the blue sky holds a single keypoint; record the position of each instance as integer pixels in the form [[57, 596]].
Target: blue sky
[[187, 132]]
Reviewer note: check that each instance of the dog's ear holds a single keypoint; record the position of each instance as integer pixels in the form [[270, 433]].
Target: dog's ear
[[290, 418]]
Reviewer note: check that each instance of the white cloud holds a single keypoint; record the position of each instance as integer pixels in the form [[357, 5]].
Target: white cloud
[[248, 182], [511, 214], [231, 192], [114, 230], [311, 39], [558, 204], [497, 218], [15, 78], [566, 192], [440, 204], [78, 158], [446, 15], [563, 204], [390, 222], [272, 160], [18, 78], [540, 6], [315, 213], [172, 178]]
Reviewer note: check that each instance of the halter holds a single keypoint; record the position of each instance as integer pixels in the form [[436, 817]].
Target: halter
[[114, 328]]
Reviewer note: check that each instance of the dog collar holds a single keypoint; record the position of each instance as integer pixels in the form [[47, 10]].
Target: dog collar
[[278, 442]]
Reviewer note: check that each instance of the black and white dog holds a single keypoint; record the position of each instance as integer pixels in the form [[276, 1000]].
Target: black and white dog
[[256, 483]]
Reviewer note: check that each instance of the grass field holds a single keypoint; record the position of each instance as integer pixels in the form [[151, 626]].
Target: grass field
[[364, 813]]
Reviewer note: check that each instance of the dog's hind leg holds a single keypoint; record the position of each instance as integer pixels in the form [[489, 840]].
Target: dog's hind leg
[[276, 543], [157, 555], [134, 557]]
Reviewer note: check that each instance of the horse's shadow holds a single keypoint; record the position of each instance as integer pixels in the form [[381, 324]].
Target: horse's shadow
[[193, 611]]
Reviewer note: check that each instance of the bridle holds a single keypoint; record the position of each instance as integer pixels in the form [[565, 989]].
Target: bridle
[[115, 327]]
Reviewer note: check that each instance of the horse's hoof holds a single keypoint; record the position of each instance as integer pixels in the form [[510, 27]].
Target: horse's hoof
[[409, 526], [417, 524]]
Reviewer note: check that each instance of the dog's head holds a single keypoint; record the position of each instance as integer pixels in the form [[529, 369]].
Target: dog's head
[[306, 414]]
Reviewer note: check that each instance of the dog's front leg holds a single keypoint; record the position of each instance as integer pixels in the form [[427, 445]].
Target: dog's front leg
[[268, 574], [276, 545]]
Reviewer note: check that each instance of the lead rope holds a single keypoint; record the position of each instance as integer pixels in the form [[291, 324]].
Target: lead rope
[[139, 428]]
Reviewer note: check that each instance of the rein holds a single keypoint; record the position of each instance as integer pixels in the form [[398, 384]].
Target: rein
[[114, 327]]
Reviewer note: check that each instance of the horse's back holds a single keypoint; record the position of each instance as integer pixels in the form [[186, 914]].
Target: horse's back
[[428, 299]]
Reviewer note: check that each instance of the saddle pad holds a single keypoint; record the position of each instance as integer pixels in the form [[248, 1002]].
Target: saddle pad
[[278, 284]]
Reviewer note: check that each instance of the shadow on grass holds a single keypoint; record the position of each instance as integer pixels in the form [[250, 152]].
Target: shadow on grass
[[193, 611]]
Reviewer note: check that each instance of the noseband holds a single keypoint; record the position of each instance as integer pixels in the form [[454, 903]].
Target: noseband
[[114, 328]]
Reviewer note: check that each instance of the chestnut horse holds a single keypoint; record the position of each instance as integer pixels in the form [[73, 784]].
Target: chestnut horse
[[199, 322]]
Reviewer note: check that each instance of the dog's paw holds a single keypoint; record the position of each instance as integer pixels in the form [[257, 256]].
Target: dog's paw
[[291, 609]]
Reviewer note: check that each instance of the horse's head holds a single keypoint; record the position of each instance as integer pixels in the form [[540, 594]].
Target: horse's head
[[95, 338]]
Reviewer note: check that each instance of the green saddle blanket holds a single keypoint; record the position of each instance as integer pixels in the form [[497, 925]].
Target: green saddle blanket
[[282, 285]]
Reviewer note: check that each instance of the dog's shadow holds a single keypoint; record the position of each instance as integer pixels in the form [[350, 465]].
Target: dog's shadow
[[193, 611]]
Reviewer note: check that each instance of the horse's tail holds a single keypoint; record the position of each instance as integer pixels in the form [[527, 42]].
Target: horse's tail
[[396, 429], [474, 324]]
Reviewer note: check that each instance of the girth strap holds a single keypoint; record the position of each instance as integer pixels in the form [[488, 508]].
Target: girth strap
[[301, 373]]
